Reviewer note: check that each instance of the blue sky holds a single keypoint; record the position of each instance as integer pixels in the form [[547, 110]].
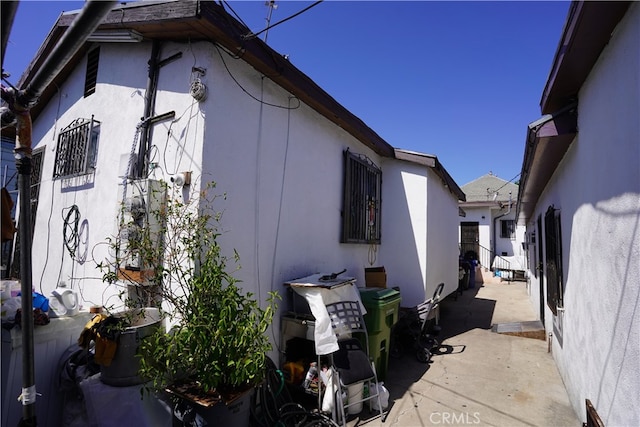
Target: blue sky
[[459, 80]]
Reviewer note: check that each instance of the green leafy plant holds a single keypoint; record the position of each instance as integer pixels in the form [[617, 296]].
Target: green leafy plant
[[217, 336]]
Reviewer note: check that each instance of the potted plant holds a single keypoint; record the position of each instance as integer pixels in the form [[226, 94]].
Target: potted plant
[[215, 344]]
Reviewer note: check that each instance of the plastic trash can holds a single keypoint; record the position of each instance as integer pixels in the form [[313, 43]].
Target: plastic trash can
[[383, 306], [472, 274]]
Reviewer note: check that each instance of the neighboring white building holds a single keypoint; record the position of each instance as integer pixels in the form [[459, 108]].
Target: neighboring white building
[[489, 228], [580, 201], [271, 139], [418, 191]]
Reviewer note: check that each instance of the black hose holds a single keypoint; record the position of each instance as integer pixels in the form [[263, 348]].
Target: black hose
[[272, 405]]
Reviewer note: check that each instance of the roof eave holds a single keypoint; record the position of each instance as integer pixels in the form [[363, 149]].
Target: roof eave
[[548, 139], [206, 20], [432, 161], [586, 32]]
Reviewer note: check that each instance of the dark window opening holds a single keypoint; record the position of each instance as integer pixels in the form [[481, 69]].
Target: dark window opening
[[362, 200], [508, 229], [77, 149], [91, 77], [553, 258]]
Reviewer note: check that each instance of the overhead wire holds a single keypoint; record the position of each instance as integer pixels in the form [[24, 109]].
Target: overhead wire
[[225, 3], [267, 28], [246, 91], [503, 185]]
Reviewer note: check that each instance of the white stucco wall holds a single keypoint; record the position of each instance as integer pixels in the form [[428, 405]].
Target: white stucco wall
[[484, 224], [281, 168], [417, 258], [279, 162], [404, 249], [486, 217], [118, 105], [442, 227], [597, 189]]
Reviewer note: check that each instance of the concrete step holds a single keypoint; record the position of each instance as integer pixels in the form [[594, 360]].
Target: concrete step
[[531, 329]]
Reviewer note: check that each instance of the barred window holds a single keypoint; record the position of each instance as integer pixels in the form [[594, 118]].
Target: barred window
[[362, 200], [553, 259], [508, 229], [77, 149]]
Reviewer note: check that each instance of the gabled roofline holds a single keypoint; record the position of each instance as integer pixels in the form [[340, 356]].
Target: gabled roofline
[[432, 161], [199, 20]]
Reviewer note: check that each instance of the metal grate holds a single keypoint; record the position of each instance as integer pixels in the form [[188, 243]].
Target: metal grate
[[77, 148], [37, 160], [362, 200], [553, 259]]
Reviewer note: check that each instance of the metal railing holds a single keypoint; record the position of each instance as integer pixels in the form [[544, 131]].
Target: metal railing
[[484, 256]]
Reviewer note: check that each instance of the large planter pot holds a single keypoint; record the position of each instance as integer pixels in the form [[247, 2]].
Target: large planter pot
[[123, 370], [233, 412]]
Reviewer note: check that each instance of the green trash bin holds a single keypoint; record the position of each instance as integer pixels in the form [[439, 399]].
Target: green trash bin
[[383, 306]]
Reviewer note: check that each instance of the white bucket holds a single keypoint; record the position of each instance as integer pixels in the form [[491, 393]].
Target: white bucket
[[355, 392]]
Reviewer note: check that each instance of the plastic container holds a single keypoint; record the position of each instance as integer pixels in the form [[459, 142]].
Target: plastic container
[[293, 373], [355, 392], [64, 302], [383, 307]]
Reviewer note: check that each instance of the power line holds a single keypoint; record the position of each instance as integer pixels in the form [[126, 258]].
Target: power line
[[254, 35], [503, 185]]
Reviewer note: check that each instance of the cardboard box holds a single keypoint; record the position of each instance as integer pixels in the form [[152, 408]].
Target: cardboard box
[[375, 277]]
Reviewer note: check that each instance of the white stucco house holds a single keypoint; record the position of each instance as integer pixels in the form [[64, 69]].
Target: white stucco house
[[489, 228], [580, 201], [189, 94]]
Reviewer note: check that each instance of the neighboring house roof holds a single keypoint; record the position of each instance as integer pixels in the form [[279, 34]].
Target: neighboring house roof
[[194, 20], [489, 190], [587, 31], [432, 161], [189, 20]]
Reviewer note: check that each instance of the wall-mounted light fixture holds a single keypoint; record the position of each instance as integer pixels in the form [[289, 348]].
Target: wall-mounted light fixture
[[115, 36]]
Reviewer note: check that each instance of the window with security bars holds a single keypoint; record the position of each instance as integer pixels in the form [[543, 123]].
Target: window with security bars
[[37, 159], [553, 259], [77, 149], [508, 229], [362, 200]]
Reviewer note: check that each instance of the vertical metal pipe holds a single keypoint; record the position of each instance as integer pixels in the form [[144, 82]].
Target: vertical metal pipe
[[76, 35], [149, 108], [28, 370], [23, 165]]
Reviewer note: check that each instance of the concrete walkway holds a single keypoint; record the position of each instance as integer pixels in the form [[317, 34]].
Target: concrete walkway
[[479, 377]]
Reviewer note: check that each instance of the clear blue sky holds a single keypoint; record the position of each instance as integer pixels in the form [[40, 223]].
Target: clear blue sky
[[460, 80]]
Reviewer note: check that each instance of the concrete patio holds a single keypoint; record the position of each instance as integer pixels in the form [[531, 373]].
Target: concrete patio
[[480, 377]]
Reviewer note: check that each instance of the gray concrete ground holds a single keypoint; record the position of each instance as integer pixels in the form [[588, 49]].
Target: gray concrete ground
[[479, 377]]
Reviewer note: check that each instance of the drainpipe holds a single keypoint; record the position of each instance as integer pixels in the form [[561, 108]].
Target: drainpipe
[[20, 103], [142, 162], [494, 224], [149, 106]]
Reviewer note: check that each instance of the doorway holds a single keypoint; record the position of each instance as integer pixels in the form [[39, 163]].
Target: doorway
[[469, 238]]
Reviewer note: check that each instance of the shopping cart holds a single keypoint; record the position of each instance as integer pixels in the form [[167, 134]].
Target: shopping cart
[[417, 327]]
